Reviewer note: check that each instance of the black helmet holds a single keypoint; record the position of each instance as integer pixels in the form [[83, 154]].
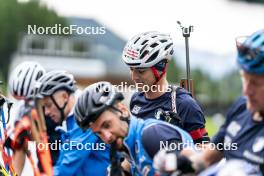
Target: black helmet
[[53, 81], [94, 100]]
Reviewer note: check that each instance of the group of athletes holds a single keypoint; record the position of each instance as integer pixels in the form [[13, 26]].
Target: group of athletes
[[166, 115]]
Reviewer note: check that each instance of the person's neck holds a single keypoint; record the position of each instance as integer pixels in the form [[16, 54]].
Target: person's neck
[[69, 106], [159, 89]]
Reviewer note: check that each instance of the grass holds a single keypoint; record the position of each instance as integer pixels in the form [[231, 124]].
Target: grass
[[211, 127]]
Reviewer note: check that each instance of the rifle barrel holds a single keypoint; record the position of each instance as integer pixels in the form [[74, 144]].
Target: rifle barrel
[[188, 72]]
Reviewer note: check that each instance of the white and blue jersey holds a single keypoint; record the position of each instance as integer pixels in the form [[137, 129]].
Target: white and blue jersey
[[189, 111], [240, 136], [144, 141]]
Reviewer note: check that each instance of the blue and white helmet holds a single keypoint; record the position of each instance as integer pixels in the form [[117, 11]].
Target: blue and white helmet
[[251, 53]]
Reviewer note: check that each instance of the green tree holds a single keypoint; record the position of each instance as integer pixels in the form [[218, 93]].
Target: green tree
[[174, 72], [214, 94], [14, 19], [230, 87]]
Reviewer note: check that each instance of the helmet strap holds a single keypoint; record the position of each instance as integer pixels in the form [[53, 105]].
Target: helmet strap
[[156, 74], [126, 119], [61, 109]]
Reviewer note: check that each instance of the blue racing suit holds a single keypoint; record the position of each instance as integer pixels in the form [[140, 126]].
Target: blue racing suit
[[146, 135], [82, 153]]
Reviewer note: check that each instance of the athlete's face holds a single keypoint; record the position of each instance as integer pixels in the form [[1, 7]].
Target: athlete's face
[[253, 88], [50, 108], [110, 128], [142, 76]]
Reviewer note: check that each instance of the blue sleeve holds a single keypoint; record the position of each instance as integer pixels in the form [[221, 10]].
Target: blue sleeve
[[155, 134], [70, 161], [236, 108]]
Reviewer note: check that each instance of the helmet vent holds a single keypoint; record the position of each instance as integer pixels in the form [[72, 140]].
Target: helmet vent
[[103, 99], [167, 47], [153, 56], [143, 43], [28, 87], [153, 45], [143, 48], [49, 87], [39, 74], [255, 38], [163, 41], [136, 40], [144, 54], [97, 89], [19, 73], [61, 79], [22, 87]]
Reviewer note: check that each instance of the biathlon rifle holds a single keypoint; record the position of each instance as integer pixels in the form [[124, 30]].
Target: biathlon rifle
[[187, 83]]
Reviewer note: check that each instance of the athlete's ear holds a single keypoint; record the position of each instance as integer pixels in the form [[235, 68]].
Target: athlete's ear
[[122, 107], [65, 95]]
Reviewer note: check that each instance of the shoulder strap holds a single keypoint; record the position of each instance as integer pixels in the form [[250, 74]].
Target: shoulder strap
[[173, 98]]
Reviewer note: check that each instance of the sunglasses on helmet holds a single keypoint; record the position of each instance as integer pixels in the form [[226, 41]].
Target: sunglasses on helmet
[[247, 51]]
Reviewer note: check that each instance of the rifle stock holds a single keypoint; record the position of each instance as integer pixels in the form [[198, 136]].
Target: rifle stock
[[185, 84]]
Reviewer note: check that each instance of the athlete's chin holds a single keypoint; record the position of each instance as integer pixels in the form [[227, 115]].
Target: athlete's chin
[[55, 119], [252, 106], [119, 143]]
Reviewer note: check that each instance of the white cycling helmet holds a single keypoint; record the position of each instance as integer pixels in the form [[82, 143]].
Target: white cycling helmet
[[147, 49], [23, 78]]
